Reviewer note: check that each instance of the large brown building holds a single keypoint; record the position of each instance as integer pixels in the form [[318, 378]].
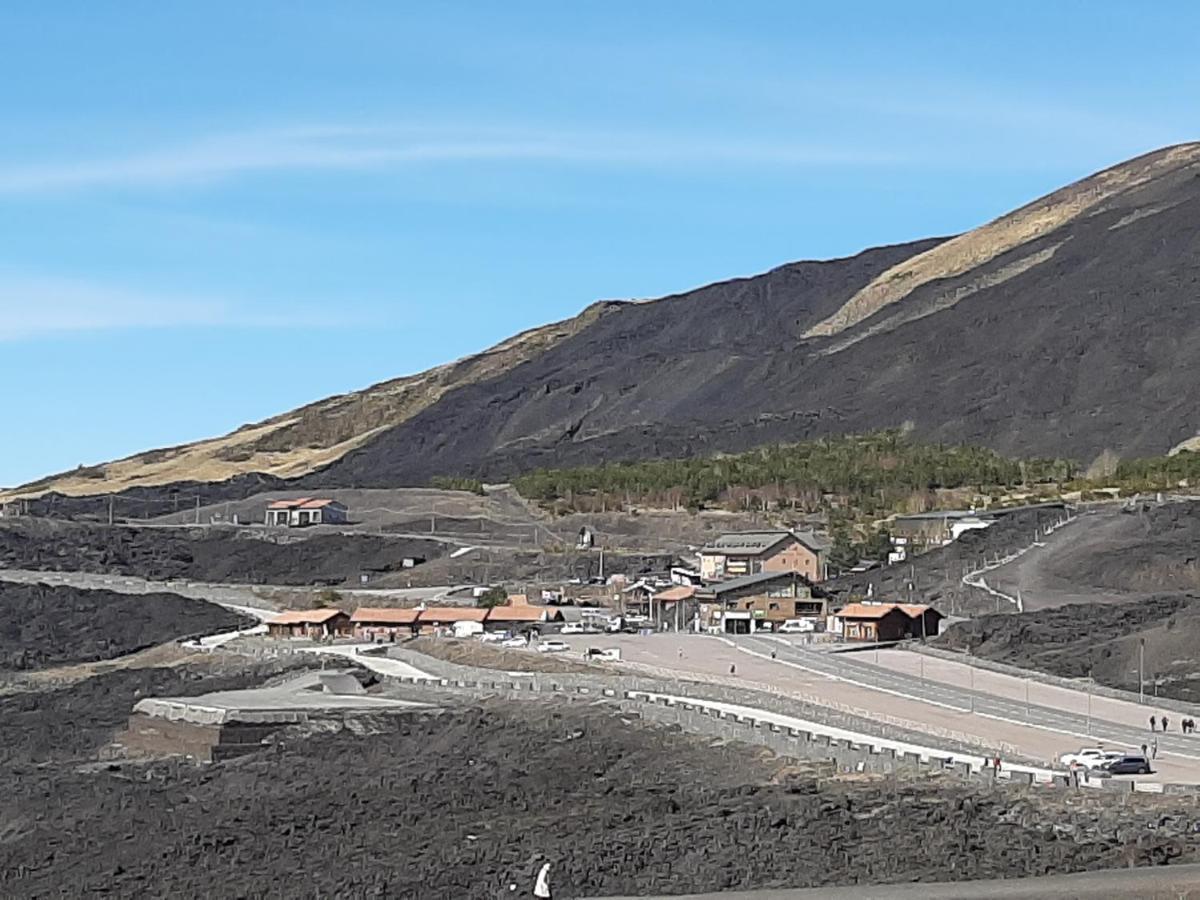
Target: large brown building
[[755, 602], [752, 552]]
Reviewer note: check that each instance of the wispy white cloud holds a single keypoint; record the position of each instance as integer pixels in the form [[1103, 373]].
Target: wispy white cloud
[[34, 306], [353, 149]]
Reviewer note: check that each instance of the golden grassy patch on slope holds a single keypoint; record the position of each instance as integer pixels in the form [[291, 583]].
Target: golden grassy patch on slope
[[305, 439], [963, 253]]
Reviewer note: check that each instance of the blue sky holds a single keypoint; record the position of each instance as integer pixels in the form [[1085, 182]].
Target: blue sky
[[194, 194]]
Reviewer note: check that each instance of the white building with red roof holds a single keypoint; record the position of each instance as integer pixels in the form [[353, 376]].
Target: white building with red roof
[[303, 511]]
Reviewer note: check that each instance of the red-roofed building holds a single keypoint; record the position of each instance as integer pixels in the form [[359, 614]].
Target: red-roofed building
[[313, 624], [377, 623], [303, 511], [502, 618], [887, 621], [434, 617]]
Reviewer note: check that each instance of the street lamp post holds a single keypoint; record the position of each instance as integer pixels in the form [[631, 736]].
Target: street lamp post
[[1026, 698], [972, 670]]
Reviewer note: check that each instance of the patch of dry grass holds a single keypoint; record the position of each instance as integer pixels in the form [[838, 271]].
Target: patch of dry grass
[[963, 253], [312, 436]]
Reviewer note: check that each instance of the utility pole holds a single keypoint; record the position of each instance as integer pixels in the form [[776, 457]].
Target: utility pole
[[1026, 698], [197, 509], [1141, 670], [1089, 702], [972, 670], [110, 509]]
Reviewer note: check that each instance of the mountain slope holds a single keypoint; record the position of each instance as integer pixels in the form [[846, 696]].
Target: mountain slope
[[1066, 327]]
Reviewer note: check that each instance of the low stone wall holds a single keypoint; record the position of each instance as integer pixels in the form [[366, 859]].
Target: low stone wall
[[846, 756], [634, 696], [724, 693], [1152, 703]]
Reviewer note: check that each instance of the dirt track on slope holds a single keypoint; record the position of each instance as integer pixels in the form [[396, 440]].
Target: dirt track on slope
[[210, 554], [936, 576]]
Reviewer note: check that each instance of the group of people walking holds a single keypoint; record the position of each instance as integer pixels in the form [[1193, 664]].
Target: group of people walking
[[1187, 726]]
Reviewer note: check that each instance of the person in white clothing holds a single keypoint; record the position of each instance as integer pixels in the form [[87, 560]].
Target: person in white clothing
[[542, 888]]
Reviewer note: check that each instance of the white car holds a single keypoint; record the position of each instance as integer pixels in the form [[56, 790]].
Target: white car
[[798, 626], [552, 647], [1089, 757], [493, 637], [517, 643], [574, 628]]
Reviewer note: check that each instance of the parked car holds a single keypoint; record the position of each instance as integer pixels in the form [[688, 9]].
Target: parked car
[[611, 654], [493, 637], [514, 642], [574, 628], [1128, 764], [552, 647], [1088, 757], [798, 626]]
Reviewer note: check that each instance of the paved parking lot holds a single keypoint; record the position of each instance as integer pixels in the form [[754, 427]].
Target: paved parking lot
[[952, 699]]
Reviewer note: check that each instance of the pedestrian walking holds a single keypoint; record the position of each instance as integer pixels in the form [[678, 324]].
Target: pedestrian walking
[[1153, 723], [1154, 749], [1164, 723], [541, 889], [1145, 751], [772, 654], [732, 669], [680, 651]]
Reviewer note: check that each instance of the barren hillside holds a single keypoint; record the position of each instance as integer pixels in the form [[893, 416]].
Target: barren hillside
[[1067, 327]]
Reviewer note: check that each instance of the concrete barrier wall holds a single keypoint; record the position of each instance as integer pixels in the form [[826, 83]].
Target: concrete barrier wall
[[777, 703], [846, 756]]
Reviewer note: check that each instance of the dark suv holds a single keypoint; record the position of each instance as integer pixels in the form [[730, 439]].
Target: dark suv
[[1130, 764]]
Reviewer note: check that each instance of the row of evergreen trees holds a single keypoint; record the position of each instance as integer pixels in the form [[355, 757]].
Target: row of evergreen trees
[[871, 471]]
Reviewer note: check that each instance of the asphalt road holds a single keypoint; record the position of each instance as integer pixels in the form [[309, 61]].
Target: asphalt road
[[857, 667], [1171, 882], [939, 704]]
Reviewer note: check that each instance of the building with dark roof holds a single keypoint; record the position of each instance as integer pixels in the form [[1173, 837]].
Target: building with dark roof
[[758, 602], [751, 552]]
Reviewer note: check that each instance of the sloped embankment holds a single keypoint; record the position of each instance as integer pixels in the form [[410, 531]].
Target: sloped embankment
[[216, 555], [1103, 639], [46, 626]]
